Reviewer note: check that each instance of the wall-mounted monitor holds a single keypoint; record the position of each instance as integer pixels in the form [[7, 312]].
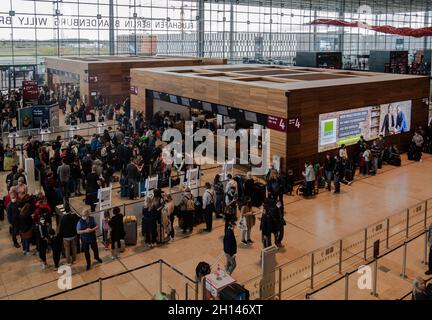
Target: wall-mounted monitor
[[185, 101], [250, 116], [196, 104], [207, 106], [173, 99], [223, 110], [156, 95], [346, 127]]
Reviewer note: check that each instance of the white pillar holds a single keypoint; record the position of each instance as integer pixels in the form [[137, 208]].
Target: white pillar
[[30, 174]]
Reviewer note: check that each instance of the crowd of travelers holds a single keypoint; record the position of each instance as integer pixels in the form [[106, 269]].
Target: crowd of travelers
[[82, 165]]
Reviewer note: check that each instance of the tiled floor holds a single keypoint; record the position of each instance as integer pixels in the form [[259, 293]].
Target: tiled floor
[[311, 224]]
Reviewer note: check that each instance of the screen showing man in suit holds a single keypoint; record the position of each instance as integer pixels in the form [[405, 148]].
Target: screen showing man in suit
[[346, 127]]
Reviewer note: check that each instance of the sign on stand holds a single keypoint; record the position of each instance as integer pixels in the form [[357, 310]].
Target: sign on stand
[[276, 162], [104, 196], [227, 168], [151, 183], [193, 181], [268, 265]]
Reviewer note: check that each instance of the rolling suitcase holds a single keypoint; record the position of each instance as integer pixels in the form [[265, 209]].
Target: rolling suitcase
[[258, 194], [234, 291], [131, 230]]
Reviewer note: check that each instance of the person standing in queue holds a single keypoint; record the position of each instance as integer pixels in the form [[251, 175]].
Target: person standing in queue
[[247, 221], [86, 228], [230, 248], [208, 206], [265, 227]]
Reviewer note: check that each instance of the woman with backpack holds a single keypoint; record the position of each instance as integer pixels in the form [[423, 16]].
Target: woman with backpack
[[187, 207]]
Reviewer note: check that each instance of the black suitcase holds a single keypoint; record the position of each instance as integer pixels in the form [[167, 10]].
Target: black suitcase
[[234, 291], [198, 215], [258, 194]]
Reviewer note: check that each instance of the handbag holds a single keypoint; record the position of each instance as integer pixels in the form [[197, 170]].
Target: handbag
[[242, 224]]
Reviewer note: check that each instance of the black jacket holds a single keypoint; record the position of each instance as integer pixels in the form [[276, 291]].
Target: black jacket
[[230, 243], [328, 165], [13, 213], [68, 225], [117, 227], [249, 187], [265, 226]]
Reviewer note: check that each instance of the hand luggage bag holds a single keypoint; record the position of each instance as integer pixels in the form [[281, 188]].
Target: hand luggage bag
[[258, 194], [234, 291], [131, 230]]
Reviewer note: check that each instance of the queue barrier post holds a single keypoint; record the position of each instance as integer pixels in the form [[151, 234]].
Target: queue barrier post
[[196, 290], [100, 288], [375, 278], [365, 245], [312, 270], [407, 224], [160, 275], [403, 274], [346, 285], [425, 257], [340, 255], [388, 234], [280, 283]]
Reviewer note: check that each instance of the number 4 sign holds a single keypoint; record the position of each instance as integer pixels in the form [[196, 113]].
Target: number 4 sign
[[294, 124]]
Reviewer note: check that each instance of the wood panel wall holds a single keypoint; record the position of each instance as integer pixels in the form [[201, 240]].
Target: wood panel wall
[[243, 96], [308, 104], [114, 76]]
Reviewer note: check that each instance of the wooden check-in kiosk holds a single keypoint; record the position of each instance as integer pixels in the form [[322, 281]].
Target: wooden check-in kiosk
[[288, 100], [110, 75]]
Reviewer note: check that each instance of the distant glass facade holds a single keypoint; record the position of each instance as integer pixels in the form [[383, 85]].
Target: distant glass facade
[[234, 29]]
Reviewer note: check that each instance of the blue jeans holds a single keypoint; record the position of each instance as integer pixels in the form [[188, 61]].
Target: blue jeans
[[26, 245], [244, 232], [337, 183], [375, 165], [329, 175], [266, 242]]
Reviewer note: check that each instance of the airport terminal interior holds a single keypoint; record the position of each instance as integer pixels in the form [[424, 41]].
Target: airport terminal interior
[[215, 150]]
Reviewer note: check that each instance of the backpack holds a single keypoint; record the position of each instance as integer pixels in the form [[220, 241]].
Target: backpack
[[190, 204], [274, 185]]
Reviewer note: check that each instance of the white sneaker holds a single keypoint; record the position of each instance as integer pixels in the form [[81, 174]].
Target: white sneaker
[[43, 266], [113, 257]]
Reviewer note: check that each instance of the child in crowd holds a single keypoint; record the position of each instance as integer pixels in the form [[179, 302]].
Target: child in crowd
[[106, 229]]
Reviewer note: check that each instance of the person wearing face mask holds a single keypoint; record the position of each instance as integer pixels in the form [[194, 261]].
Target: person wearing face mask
[[86, 228], [21, 188], [265, 227], [42, 236], [230, 248], [279, 216], [13, 216], [275, 224], [309, 176], [247, 221], [230, 206]]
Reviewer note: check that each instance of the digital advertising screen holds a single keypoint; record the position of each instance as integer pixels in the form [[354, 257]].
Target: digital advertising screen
[[346, 127], [207, 106], [222, 110], [185, 101]]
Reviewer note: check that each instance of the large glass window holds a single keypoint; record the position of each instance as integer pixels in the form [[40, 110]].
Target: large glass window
[[234, 29]]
